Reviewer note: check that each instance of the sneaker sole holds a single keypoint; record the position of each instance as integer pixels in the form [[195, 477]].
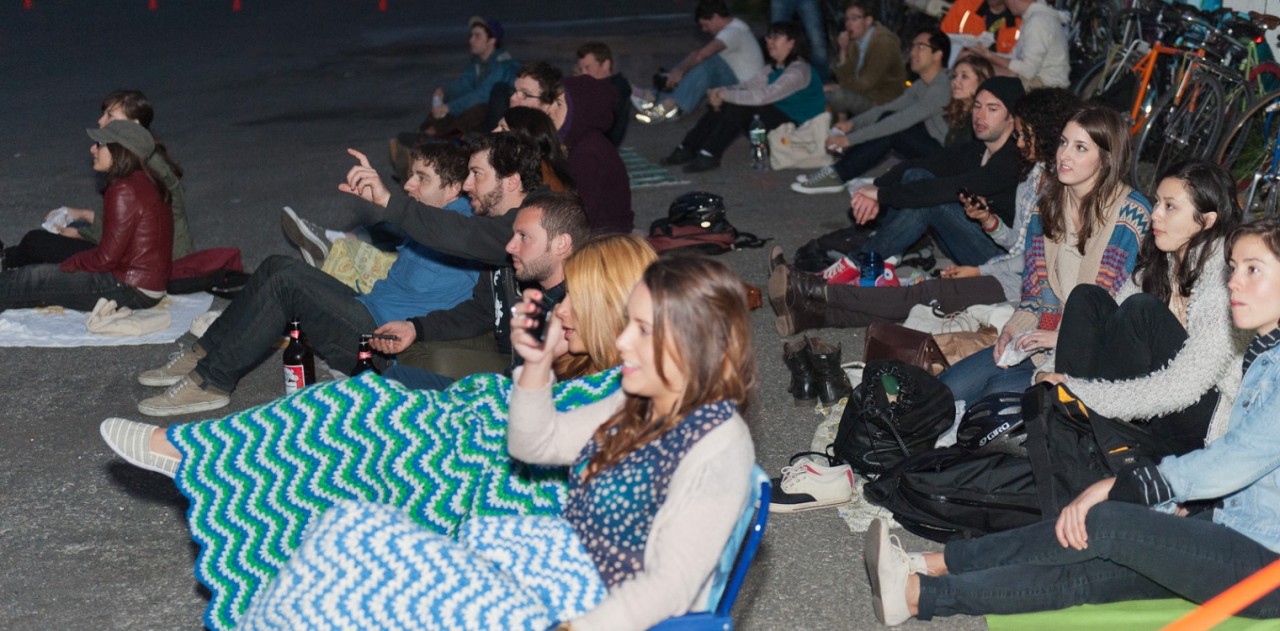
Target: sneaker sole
[[808, 506], [817, 190], [160, 381], [190, 408], [308, 243], [877, 539]]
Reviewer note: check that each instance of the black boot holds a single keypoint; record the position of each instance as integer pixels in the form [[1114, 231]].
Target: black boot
[[804, 385], [833, 383], [799, 300]]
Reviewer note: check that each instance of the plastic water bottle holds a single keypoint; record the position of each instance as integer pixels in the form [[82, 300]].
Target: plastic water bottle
[[759, 144], [872, 267]]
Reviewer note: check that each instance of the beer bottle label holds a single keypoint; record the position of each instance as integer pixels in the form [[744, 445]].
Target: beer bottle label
[[294, 379]]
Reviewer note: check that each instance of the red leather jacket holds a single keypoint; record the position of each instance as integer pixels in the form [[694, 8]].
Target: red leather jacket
[[137, 235]]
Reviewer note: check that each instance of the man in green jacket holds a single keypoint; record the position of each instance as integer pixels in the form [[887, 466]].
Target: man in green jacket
[[870, 70]]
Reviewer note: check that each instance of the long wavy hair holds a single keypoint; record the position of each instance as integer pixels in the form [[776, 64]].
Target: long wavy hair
[[700, 316], [960, 111], [1108, 131], [1043, 113], [1211, 190], [600, 276]]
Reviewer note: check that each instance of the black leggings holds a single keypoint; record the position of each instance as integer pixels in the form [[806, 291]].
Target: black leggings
[[1099, 339], [42, 246], [716, 130]]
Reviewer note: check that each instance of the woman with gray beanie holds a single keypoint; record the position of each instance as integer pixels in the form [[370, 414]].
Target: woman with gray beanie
[[131, 263]]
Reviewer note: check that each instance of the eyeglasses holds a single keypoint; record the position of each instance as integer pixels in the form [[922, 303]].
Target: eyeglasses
[[527, 96], [99, 145], [923, 45], [856, 17]]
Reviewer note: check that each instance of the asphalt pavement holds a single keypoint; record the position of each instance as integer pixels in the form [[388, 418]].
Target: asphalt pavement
[[259, 106]]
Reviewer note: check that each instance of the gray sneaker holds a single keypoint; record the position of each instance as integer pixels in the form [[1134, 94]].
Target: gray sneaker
[[184, 397], [306, 235], [825, 180], [180, 364]]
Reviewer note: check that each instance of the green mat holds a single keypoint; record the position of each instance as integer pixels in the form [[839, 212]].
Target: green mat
[[1138, 615], [644, 173]]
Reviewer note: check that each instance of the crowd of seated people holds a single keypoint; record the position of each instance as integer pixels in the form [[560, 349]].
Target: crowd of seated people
[[522, 328]]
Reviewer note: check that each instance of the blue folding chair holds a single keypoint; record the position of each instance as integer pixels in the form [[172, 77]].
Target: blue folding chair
[[732, 568]]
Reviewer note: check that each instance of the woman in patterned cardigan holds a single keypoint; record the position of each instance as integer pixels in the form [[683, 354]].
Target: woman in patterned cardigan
[[258, 478], [1086, 229]]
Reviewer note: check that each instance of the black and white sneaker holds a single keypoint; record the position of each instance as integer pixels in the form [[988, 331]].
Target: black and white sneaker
[[806, 485], [306, 235]]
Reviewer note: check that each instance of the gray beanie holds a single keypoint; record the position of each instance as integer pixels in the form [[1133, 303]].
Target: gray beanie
[[129, 135]]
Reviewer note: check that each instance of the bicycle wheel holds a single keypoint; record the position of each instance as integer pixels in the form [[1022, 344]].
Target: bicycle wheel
[[1250, 152], [1179, 129]]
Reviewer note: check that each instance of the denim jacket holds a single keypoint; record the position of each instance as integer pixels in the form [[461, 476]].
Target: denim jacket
[[1242, 467]]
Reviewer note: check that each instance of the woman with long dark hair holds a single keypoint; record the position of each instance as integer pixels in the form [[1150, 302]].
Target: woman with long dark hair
[[1163, 350], [1129, 537], [131, 263], [535, 125], [1086, 229], [788, 90]]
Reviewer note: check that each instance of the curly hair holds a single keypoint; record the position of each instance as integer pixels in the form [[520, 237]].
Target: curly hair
[[1043, 113]]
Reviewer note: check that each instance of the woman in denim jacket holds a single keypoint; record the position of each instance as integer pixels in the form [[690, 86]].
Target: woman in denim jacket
[[1107, 545]]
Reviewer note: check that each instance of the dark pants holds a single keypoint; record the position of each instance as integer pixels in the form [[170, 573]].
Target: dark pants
[[1134, 553], [416, 378], [716, 130], [961, 238], [42, 246], [910, 143], [854, 306], [1099, 339], [47, 285], [281, 290]]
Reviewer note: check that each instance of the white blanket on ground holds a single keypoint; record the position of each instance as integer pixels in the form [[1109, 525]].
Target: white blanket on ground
[[55, 327]]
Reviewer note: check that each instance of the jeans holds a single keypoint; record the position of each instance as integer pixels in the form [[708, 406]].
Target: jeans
[[960, 237], [855, 306], [717, 129], [45, 285], [711, 73], [910, 143], [977, 376], [283, 289], [1099, 339], [811, 19], [1134, 553]]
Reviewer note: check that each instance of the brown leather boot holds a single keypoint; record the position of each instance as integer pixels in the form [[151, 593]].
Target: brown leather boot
[[798, 299]]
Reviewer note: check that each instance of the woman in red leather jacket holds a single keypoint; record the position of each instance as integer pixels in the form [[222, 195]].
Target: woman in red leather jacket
[[131, 263]]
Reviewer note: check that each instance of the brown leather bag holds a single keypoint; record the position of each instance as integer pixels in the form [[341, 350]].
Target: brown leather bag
[[886, 340]]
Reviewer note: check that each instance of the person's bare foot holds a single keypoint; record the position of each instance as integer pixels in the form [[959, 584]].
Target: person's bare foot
[[161, 446]]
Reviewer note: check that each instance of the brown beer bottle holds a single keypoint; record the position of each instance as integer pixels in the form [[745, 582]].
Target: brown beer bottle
[[364, 357], [295, 355]]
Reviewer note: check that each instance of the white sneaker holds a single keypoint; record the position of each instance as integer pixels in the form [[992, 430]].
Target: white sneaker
[[888, 567], [807, 485], [640, 102]]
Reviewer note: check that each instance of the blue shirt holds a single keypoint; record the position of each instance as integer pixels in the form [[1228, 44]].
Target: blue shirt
[[422, 280]]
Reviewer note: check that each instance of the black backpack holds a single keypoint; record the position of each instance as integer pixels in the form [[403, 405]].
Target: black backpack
[[1071, 447], [878, 430], [697, 221], [946, 494]]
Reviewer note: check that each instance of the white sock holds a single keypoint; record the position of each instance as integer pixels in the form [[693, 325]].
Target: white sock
[[334, 235]]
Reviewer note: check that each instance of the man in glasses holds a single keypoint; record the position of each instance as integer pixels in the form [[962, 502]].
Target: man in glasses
[[914, 124], [869, 66]]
